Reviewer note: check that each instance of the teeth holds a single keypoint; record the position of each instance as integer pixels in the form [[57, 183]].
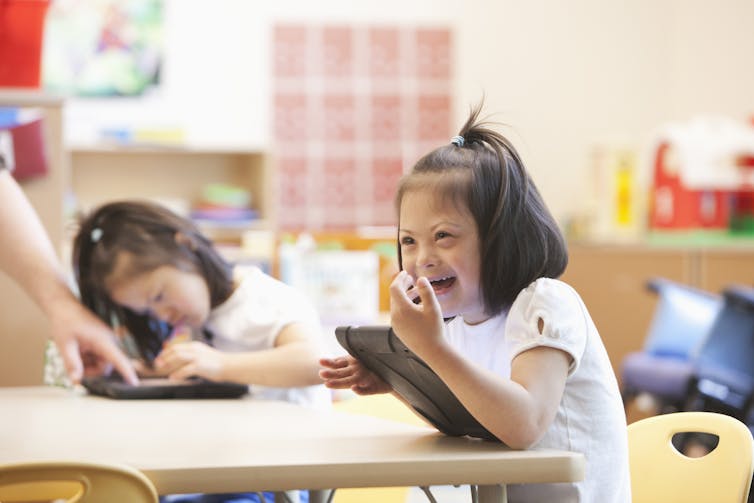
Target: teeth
[[440, 279]]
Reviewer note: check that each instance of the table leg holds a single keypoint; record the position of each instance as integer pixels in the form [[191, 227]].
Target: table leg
[[492, 494], [319, 495]]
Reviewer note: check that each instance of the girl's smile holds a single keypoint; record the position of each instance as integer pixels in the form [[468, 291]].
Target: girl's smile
[[439, 240]]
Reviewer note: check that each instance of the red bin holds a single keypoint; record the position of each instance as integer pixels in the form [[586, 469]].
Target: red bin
[[21, 35]]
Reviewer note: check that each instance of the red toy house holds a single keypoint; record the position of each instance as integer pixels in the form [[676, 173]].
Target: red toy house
[[703, 178]]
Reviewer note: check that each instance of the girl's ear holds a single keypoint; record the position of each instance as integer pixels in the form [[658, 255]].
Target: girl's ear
[[186, 240]]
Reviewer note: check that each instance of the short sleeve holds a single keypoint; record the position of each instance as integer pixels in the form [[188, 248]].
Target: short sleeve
[[563, 318]]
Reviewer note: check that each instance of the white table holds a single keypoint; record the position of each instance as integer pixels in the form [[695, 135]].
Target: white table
[[216, 446]]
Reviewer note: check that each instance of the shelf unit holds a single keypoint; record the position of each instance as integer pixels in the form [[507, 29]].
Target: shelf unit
[[102, 173], [23, 326]]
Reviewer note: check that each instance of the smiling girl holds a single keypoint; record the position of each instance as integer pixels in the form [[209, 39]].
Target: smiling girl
[[478, 247]]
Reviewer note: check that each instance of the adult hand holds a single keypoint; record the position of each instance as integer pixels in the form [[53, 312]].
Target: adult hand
[[420, 326], [86, 345], [346, 372]]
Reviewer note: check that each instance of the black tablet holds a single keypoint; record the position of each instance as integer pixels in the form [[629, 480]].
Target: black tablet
[[382, 352], [115, 387]]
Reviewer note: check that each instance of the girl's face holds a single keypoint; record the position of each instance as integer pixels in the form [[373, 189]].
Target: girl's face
[[440, 241], [170, 294]]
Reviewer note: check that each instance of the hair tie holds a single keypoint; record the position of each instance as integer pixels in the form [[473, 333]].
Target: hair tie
[[458, 141], [96, 235]]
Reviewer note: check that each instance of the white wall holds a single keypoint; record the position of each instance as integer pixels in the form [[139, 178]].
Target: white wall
[[568, 75], [563, 75]]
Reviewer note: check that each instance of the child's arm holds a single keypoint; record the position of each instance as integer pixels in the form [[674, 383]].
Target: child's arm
[[517, 411], [292, 362]]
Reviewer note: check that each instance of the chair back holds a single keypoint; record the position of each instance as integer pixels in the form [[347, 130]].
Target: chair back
[[682, 318], [664, 367], [74, 482], [659, 473], [724, 367]]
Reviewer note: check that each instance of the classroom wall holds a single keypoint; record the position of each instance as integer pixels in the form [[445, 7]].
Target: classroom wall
[[566, 76]]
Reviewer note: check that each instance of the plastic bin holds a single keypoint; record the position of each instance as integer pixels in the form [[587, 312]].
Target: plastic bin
[[21, 35]]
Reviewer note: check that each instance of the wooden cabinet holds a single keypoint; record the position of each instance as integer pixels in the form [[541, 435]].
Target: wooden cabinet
[[611, 279], [719, 268], [23, 326]]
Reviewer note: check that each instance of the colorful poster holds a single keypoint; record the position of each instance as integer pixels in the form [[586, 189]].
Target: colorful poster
[[102, 47]]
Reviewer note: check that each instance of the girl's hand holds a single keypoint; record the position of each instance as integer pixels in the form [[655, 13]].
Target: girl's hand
[[347, 372], [183, 360], [420, 326], [144, 370]]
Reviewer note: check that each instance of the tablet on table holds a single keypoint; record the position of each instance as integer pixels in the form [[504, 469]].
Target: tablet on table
[[114, 387]]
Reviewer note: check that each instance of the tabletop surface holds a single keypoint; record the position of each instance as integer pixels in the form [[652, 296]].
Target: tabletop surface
[[245, 444]]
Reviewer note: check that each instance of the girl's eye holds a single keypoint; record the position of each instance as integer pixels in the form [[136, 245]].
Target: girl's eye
[[407, 240], [157, 298], [442, 234]]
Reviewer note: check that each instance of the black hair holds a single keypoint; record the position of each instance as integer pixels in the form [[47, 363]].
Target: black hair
[[154, 236], [519, 240]]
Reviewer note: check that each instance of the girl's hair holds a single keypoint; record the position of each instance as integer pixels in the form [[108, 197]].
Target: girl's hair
[[519, 240], [153, 236]]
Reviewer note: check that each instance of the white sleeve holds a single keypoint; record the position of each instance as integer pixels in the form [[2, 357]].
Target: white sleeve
[[284, 304], [563, 318]]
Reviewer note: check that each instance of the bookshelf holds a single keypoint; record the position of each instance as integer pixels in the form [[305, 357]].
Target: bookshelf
[[173, 175]]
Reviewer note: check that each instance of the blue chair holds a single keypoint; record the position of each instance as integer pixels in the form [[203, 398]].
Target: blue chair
[[664, 368]]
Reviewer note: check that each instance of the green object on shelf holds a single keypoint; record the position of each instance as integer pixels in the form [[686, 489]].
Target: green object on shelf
[[226, 195], [700, 237], [742, 225]]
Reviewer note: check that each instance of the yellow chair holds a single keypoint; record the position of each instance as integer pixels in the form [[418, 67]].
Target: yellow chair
[[74, 482], [659, 473]]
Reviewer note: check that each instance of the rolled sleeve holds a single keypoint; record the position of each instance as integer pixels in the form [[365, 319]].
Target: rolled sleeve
[[564, 325]]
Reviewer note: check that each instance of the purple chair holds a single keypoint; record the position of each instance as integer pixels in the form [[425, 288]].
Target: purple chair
[[664, 368]]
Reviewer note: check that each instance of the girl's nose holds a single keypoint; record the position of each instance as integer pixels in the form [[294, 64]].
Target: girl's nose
[[426, 257]]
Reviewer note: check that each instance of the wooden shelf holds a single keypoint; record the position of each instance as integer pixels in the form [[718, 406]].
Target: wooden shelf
[[174, 174]]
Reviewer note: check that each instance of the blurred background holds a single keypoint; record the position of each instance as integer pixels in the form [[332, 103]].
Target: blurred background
[[283, 127]]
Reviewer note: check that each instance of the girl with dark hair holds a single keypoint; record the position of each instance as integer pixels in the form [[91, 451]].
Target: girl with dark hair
[[479, 301], [141, 267]]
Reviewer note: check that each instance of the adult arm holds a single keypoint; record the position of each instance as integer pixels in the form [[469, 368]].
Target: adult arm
[[85, 343]]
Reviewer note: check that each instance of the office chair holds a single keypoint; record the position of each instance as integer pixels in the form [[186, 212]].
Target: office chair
[[659, 472], [74, 482], [724, 366], [664, 368]]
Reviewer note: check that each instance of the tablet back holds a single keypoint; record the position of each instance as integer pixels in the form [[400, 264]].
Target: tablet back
[[382, 352], [114, 387]]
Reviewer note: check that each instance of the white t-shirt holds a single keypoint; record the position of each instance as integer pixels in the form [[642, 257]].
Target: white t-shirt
[[251, 319], [590, 418]]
